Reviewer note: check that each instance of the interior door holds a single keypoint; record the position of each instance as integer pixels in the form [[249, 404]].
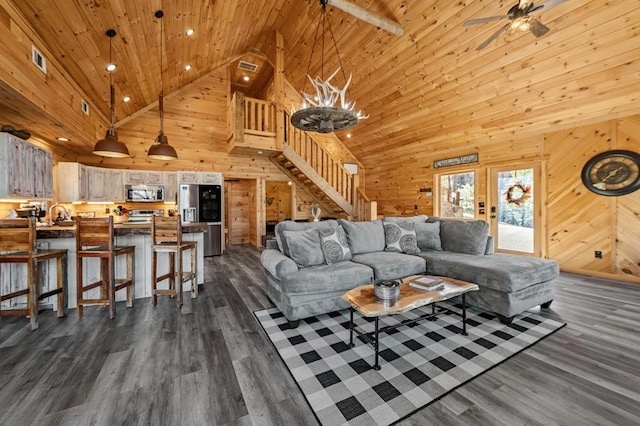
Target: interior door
[[515, 209]]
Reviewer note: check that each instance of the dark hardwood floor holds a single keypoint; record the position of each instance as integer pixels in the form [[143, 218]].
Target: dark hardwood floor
[[211, 363]]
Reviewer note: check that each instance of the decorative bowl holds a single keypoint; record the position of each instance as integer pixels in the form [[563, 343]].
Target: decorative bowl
[[386, 289]]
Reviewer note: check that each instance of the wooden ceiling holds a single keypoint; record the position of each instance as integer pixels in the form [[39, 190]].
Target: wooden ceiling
[[430, 84]]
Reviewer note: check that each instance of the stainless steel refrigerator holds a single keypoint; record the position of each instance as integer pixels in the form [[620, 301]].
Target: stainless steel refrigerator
[[203, 203]]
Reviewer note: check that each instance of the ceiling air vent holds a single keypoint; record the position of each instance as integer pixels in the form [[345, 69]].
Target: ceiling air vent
[[38, 59], [247, 66]]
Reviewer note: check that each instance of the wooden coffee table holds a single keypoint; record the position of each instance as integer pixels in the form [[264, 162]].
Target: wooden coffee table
[[363, 300]]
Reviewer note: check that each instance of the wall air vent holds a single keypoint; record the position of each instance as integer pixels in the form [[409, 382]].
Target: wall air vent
[[38, 59], [247, 66]]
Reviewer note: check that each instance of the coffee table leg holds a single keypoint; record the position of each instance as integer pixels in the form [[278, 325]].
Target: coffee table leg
[[351, 328], [376, 366], [464, 315]]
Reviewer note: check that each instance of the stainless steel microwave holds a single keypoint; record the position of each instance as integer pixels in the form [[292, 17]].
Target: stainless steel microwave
[[144, 193]]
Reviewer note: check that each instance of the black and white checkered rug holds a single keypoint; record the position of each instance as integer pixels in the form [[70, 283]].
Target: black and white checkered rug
[[419, 363]]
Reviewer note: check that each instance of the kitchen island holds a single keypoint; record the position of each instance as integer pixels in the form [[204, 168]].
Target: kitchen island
[[138, 235]]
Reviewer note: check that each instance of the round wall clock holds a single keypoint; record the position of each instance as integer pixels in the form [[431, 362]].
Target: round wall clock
[[611, 173]]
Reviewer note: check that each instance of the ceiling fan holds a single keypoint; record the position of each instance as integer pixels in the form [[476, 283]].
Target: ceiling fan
[[520, 20]]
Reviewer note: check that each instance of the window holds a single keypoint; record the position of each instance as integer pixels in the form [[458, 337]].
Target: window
[[457, 195]]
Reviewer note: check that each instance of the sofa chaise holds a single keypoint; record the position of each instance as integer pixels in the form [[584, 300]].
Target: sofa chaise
[[311, 265]]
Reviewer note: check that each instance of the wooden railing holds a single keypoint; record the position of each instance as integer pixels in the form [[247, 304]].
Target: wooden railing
[[249, 116], [363, 208], [330, 169]]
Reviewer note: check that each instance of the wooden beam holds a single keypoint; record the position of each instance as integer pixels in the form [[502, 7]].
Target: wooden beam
[[364, 15]]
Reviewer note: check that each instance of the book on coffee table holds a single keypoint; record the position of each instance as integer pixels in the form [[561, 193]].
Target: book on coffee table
[[427, 283]]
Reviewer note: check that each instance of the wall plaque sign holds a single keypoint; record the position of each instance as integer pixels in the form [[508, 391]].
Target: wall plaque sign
[[456, 161]]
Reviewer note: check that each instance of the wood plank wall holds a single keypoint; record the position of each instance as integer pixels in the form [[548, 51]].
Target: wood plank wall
[[238, 210], [578, 221]]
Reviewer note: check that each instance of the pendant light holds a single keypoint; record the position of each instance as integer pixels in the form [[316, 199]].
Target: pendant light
[[110, 146], [161, 150]]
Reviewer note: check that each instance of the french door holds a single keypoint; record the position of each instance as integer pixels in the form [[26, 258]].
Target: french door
[[515, 209]]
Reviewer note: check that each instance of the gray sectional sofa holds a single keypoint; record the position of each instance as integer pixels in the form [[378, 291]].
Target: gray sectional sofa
[[311, 265]]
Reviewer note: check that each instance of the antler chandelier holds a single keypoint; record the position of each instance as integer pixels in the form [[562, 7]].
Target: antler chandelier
[[319, 112]]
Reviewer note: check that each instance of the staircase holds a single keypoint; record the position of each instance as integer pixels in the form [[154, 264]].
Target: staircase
[[302, 158], [312, 167]]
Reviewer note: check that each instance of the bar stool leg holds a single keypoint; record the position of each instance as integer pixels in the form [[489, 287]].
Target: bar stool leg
[[34, 291], [172, 273], [194, 273], [130, 276], [61, 266], [154, 278], [111, 291], [104, 278], [79, 285], [178, 276]]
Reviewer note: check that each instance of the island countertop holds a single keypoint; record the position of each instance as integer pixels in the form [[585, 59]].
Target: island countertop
[[56, 231]]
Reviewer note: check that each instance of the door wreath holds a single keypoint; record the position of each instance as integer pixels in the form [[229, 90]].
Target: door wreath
[[518, 194]]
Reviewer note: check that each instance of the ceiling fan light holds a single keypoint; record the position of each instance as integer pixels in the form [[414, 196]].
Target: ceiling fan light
[[110, 146]]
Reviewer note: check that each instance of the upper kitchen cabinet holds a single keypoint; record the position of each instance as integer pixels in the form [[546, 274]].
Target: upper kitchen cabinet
[[140, 177], [104, 184], [72, 182], [170, 187], [26, 170], [203, 178]]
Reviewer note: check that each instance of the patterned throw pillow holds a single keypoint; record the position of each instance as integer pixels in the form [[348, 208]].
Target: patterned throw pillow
[[334, 245], [401, 237]]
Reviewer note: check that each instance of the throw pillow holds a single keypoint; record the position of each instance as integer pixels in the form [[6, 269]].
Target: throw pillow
[[335, 245], [469, 237], [364, 237], [304, 247], [428, 235], [401, 237]]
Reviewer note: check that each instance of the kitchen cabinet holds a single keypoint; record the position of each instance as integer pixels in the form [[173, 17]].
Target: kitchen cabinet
[[203, 178], [141, 177], [26, 170], [72, 182], [104, 184], [187, 177], [170, 183]]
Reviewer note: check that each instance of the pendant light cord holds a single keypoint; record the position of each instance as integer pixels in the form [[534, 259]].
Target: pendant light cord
[[161, 100], [111, 92]]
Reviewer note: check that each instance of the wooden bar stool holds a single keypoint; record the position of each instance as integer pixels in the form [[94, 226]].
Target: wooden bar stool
[[166, 237], [18, 245], [94, 239]]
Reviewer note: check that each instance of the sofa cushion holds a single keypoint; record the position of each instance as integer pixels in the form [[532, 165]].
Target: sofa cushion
[[389, 265], [461, 236], [401, 237], [428, 236], [335, 245], [501, 272], [304, 247], [421, 218], [289, 225], [364, 237], [321, 279]]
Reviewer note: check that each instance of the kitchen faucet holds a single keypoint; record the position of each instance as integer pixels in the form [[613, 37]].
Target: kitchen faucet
[[65, 213]]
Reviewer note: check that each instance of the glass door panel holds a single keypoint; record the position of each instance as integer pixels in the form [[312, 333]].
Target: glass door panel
[[514, 222]]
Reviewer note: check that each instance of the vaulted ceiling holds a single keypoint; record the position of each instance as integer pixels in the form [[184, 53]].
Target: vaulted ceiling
[[428, 84]]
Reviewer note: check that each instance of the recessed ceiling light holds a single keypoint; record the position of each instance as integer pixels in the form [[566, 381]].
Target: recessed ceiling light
[[190, 32], [111, 67], [348, 135], [289, 183], [187, 67], [246, 78], [126, 99], [259, 152], [63, 139]]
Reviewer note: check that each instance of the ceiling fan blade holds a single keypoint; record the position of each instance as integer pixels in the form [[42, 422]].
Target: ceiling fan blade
[[493, 37], [538, 28], [546, 5], [483, 20]]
